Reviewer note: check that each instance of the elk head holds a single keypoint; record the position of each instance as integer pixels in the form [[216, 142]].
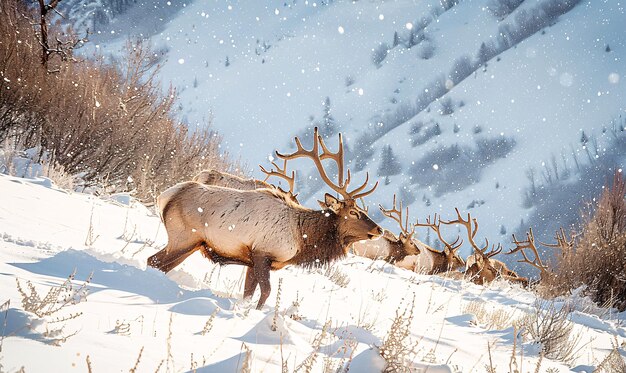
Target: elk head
[[405, 238], [356, 225]]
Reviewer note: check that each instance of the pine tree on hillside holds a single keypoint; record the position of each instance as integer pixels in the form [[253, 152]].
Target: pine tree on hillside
[[389, 165], [328, 124]]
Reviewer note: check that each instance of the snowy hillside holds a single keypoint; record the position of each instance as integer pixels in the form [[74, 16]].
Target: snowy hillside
[[135, 317], [449, 103]]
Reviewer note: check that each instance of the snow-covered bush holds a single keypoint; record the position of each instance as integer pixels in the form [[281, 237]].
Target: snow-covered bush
[[426, 50]]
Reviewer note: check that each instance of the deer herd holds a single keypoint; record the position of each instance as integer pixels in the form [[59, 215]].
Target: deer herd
[[232, 220]]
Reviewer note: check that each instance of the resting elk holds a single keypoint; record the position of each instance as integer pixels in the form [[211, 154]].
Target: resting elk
[[481, 268], [260, 228], [226, 180], [390, 248], [431, 261]]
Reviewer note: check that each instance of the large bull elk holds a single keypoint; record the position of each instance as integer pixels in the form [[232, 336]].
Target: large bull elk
[[260, 228], [390, 248]]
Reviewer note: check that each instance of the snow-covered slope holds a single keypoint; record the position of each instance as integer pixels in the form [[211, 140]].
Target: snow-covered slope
[[467, 123], [193, 319]]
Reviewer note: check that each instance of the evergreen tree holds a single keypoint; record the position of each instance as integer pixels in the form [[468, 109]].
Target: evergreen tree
[[328, 124], [396, 39], [389, 165]]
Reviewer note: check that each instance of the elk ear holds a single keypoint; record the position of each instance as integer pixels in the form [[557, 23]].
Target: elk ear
[[403, 237], [330, 202]]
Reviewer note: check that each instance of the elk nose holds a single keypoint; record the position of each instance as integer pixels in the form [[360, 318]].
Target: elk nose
[[376, 232]]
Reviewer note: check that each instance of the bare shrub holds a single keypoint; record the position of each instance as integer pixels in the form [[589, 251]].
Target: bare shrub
[[551, 327], [109, 123], [599, 257]]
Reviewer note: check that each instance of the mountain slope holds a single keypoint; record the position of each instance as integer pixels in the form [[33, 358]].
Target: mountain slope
[[467, 122]]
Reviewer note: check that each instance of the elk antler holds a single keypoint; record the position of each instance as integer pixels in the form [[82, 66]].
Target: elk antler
[[435, 225], [396, 214], [529, 243], [562, 242], [282, 173], [342, 186], [471, 233]]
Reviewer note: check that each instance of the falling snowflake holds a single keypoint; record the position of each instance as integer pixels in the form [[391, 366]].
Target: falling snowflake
[[340, 29], [181, 61], [200, 210]]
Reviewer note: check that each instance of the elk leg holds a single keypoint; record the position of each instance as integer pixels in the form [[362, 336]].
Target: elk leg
[[250, 284], [261, 267]]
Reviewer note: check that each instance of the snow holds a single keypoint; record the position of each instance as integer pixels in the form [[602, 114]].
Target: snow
[[343, 313]]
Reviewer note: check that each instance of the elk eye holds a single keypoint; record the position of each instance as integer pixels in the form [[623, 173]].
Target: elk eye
[[354, 213]]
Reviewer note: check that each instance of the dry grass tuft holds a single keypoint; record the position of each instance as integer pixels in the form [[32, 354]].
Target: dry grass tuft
[[397, 346], [47, 309], [613, 362], [337, 276], [309, 362], [491, 319]]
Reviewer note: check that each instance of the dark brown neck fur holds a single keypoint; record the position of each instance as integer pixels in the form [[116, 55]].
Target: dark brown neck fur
[[396, 252], [322, 244]]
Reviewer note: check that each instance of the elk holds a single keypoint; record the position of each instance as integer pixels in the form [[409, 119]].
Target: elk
[[260, 229], [431, 261], [390, 248], [480, 267], [224, 179]]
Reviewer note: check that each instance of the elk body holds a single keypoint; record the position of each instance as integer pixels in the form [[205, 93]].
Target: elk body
[[390, 248], [261, 229]]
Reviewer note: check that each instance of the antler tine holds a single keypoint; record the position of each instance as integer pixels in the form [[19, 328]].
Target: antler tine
[[342, 187], [395, 214], [282, 173], [364, 207], [529, 243], [435, 225], [471, 232], [337, 157], [494, 251], [561, 241]]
